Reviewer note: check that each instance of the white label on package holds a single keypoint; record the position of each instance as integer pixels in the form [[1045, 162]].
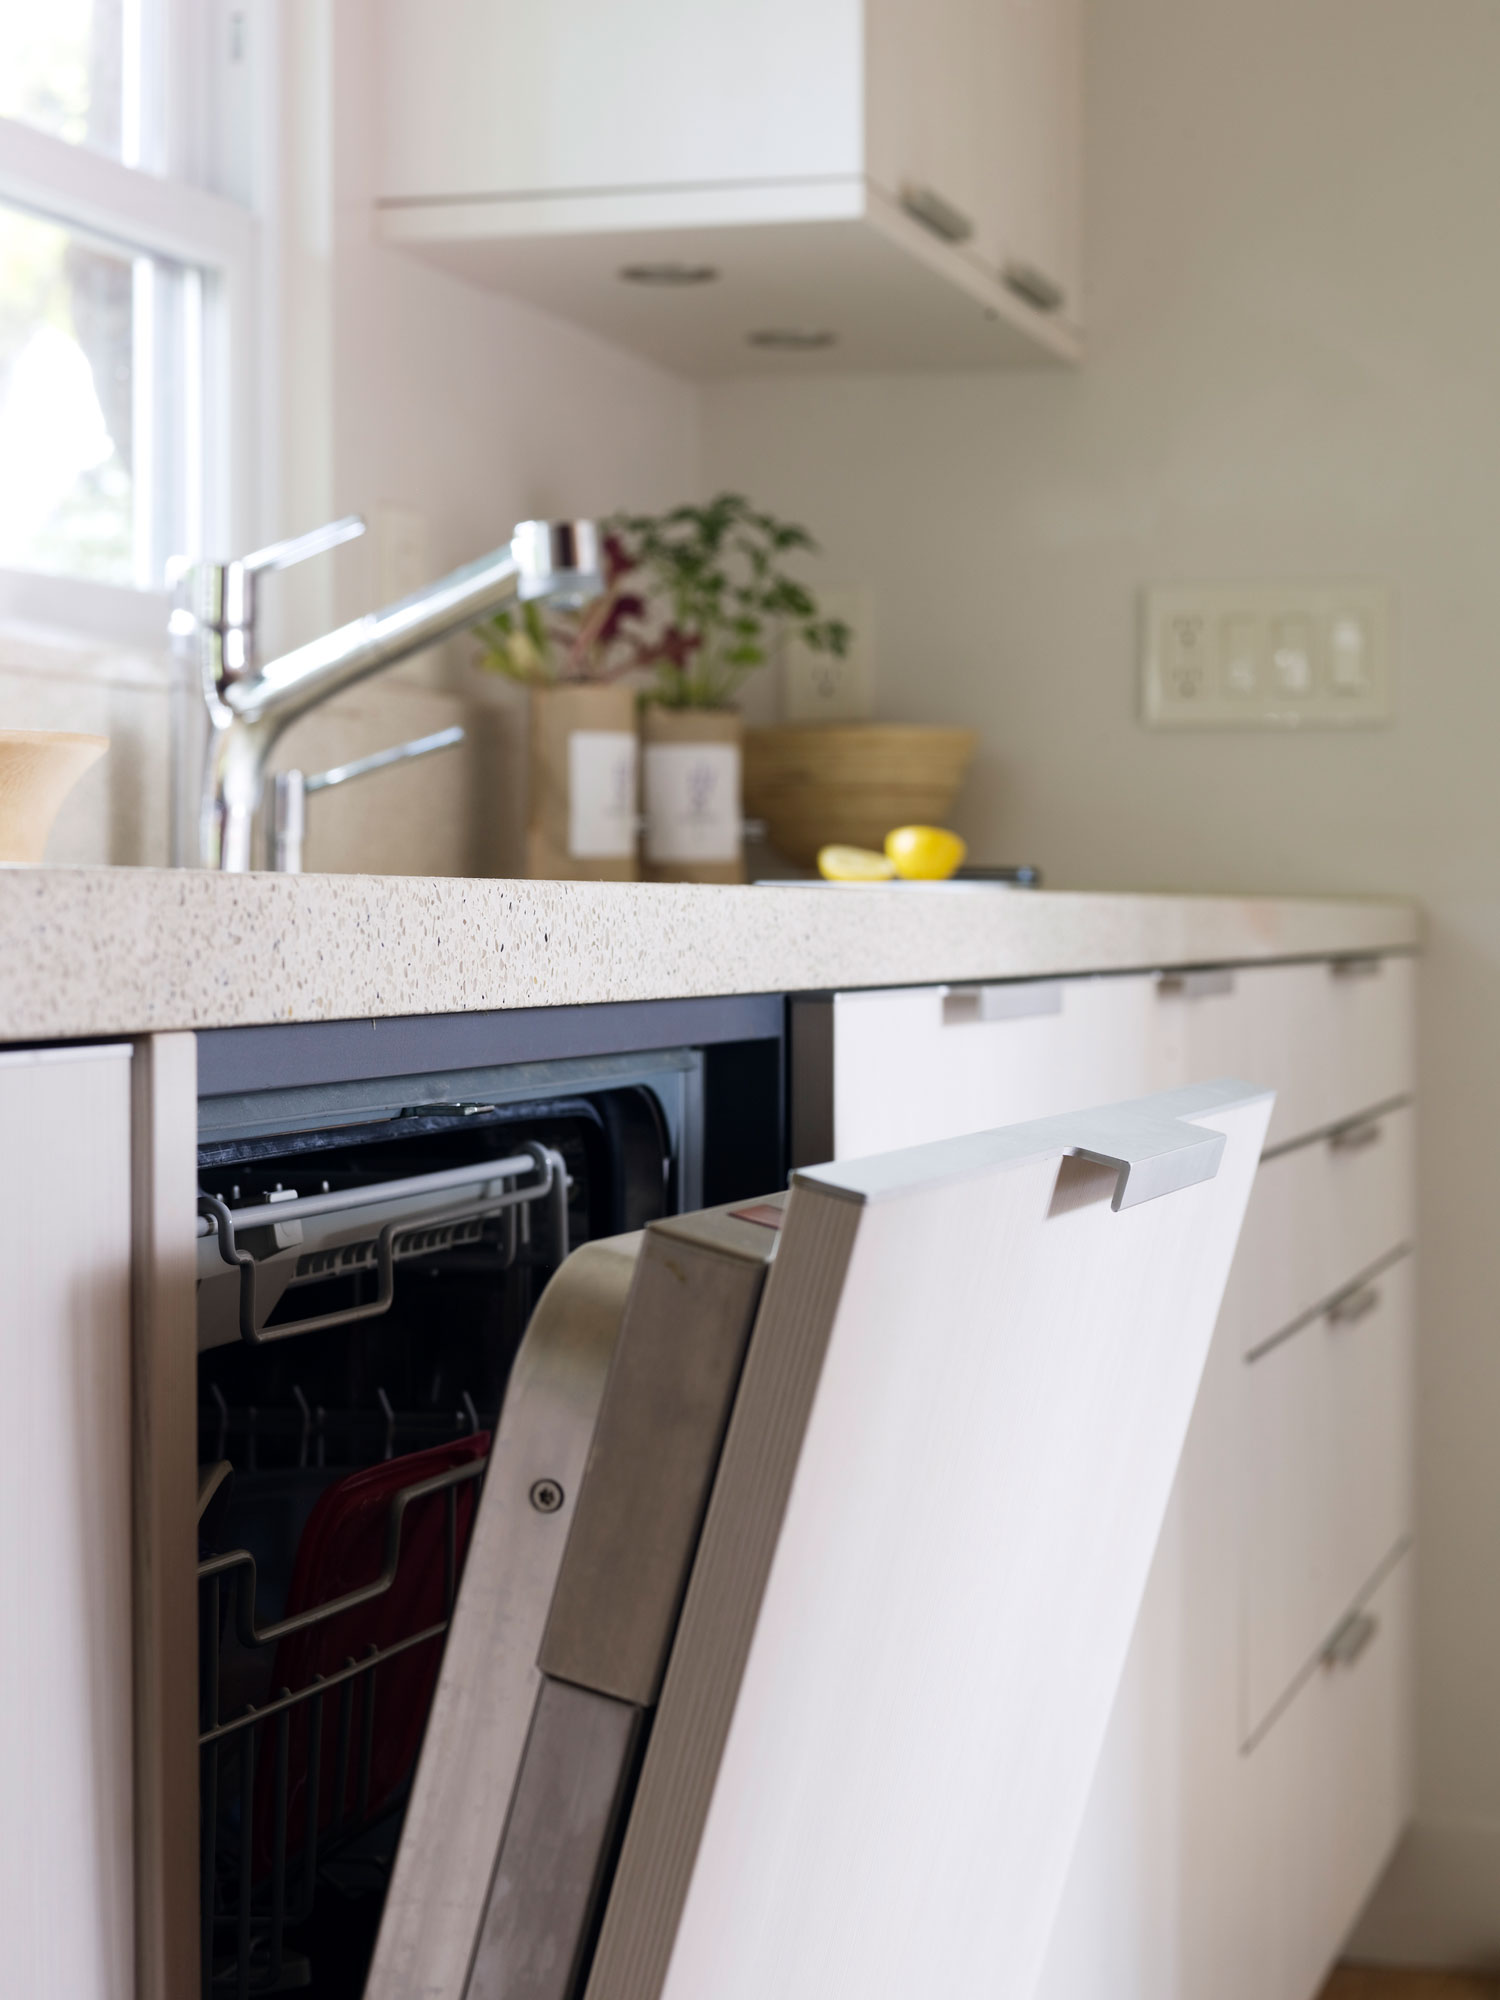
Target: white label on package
[[601, 794], [692, 801]]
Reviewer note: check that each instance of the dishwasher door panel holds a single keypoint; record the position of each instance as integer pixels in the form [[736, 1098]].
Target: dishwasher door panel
[[906, 1609]]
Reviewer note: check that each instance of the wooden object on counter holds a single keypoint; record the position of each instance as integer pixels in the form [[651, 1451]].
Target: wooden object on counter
[[38, 769], [820, 783], [692, 767], [581, 823]]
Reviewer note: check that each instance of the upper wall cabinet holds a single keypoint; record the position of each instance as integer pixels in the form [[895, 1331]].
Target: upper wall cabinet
[[735, 186]]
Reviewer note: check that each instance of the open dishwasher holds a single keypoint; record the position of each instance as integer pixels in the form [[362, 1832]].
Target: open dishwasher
[[369, 1258], [602, 1600]]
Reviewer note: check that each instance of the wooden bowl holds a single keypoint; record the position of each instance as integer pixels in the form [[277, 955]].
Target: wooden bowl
[[38, 769], [817, 782]]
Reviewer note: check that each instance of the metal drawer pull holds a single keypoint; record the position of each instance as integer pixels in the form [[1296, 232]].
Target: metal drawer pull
[[1015, 1000], [1354, 1306], [935, 212], [552, 1184], [1032, 285], [1356, 968], [1354, 1138], [1350, 1639], [1211, 983]]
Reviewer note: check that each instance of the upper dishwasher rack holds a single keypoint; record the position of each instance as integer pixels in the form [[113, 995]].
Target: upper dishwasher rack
[[293, 1239]]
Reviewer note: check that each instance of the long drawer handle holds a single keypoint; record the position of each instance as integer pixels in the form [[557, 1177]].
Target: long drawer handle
[[1354, 1306], [1354, 1138], [934, 211], [1032, 285], [1010, 1000], [1350, 1639], [1365, 967], [1211, 983]]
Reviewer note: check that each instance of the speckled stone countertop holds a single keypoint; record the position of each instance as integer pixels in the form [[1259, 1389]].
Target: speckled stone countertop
[[105, 951]]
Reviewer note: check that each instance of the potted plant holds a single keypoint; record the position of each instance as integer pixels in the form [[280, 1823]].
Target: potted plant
[[583, 804], [711, 601]]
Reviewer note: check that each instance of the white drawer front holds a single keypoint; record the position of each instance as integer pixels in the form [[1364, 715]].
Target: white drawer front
[[1332, 1037], [1318, 1216], [933, 1062], [1332, 1787], [1327, 1478]]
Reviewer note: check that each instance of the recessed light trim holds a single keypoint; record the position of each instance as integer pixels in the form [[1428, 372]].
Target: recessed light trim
[[669, 274], [792, 339]]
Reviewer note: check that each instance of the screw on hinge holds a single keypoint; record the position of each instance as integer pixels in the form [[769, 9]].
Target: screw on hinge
[[546, 1496]]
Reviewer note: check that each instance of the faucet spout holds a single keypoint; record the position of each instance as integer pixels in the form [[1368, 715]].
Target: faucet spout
[[555, 560]]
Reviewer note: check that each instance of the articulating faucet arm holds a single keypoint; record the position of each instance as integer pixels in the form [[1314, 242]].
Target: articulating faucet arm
[[250, 706]]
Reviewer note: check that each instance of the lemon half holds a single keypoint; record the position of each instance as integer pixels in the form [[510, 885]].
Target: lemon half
[[854, 864]]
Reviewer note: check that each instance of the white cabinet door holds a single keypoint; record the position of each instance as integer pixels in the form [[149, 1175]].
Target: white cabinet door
[[1029, 61], [1327, 1445], [1333, 1038], [1332, 1784], [925, 95], [502, 97], [66, 1784], [930, 1062], [1321, 1214]]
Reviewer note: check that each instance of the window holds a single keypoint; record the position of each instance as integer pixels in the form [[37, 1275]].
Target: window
[[76, 69], [124, 305]]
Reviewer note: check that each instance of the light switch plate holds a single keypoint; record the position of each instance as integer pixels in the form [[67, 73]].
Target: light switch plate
[[822, 687], [1266, 656]]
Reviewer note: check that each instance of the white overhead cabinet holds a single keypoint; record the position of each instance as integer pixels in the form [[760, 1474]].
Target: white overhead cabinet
[[751, 184]]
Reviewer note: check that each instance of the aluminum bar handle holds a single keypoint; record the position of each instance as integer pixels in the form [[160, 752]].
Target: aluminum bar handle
[[377, 1191]]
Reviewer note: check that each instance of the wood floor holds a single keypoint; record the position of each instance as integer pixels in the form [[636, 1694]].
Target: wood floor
[[1357, 1982]]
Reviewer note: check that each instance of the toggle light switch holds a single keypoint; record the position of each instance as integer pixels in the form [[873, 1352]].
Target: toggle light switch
[[1349, 655], [1240, 641], [1292, 656], [1265, 656]]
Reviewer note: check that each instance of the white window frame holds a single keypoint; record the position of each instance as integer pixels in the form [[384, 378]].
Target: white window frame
[[74, 185]]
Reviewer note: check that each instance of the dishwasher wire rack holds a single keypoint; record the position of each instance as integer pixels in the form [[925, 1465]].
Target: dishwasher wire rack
[[261, 1860], [494, 1188]]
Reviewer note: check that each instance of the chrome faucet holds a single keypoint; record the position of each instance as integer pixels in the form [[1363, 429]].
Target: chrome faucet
[[213, 624]]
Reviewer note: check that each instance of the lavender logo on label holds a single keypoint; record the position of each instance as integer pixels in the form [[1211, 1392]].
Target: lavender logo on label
[[692, 802]]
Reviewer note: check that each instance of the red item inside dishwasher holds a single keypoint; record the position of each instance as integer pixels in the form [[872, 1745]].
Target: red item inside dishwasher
[[343, 1549]]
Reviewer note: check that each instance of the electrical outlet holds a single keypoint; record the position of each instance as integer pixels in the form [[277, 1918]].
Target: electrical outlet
[[1266, 656], [827, 687]]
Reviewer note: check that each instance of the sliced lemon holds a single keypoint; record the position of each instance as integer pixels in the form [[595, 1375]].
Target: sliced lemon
[[854, 864], [924, 853]]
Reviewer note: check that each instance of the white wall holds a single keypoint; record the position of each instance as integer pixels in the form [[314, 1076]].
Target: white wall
[[1293, 371]]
